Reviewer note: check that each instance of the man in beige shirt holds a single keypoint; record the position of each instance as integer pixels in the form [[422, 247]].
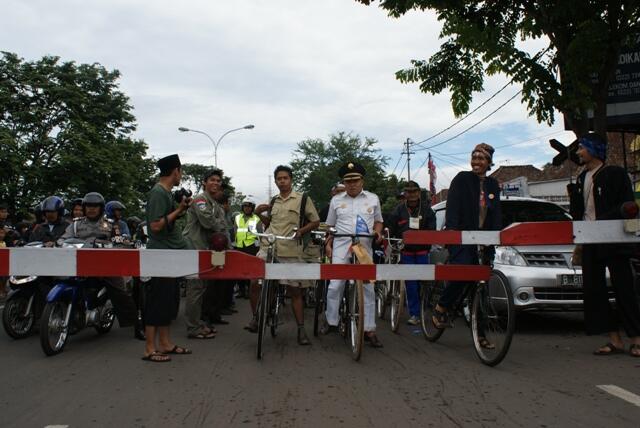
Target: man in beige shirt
[[282, 217]]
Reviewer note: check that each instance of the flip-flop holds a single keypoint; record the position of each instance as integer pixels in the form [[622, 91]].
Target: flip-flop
[[203, 335], [612, 350], [157, 357], [485, 344], [634, 347], [178, 350]]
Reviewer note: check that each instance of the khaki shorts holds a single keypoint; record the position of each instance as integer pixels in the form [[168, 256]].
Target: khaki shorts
[[292, 283]]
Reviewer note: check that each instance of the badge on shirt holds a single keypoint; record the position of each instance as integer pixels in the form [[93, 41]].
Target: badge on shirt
[[414, 223], [201, 204], [491, 196]]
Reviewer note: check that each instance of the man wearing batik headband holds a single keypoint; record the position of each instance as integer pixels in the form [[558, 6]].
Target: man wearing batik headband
[[473, 203], [604, 192], [352, 211], [205, 217]]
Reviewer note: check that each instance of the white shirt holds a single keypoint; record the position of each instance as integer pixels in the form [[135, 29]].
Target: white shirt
[[343, 215], [589, 203]]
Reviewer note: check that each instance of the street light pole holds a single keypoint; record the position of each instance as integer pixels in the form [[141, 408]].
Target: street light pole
[[215, 143]]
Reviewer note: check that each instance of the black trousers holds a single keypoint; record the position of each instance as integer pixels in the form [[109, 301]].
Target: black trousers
[[213, 299], [162, 299], [599, 316], [243, 284]]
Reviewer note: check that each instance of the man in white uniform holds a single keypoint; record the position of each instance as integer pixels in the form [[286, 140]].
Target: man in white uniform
[[355, 211]]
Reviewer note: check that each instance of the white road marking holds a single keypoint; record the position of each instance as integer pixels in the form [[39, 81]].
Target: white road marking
[[56, 426], [616, 391]]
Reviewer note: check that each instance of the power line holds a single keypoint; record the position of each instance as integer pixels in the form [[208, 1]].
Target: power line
[[509, 145], [465, 116], [397, 163], [474, 125], [403, 166]]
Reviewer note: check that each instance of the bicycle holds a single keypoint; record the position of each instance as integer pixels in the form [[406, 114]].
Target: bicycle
[[271, 298], [492, 315], [396, 289], [351, 311], [320, 289]]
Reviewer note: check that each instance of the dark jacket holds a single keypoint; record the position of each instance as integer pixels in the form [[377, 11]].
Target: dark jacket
[[611, 189], [463, 209], [398, 222], [41, 232], [463, 213]]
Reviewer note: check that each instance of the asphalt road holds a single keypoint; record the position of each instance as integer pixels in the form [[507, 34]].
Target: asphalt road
[[548, 379]]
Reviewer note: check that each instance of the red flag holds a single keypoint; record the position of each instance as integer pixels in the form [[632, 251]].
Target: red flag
[[432, 179]]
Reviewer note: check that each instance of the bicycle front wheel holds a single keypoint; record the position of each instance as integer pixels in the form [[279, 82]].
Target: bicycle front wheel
[[263, 311], [431, 292], [275, 296], [320, 295], [356, 318], [397, 303], [492, 319]]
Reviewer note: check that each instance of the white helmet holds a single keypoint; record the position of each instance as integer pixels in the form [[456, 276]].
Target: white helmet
[[249, 200]]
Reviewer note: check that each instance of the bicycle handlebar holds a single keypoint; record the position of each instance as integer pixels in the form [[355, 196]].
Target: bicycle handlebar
[[354, 235], [271, 238]]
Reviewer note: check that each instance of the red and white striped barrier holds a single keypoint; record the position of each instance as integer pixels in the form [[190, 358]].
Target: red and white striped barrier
[[237, 265], [541, 233], [199, 264]]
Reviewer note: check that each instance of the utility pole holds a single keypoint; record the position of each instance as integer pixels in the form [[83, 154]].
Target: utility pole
[[408, 152]]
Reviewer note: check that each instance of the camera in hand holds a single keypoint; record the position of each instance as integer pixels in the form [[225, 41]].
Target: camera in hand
[[180, 194]]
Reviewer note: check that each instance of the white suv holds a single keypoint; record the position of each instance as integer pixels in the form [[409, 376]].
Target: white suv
[[540, 276]]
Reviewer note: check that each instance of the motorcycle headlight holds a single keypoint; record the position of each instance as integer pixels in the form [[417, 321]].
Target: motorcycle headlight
[[509, 256]]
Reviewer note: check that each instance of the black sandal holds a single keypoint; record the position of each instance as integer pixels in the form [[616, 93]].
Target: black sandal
[[157, 357], [178, 350], [440, 320], [612, 350]]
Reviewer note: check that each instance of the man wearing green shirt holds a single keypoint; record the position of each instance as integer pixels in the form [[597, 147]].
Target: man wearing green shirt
[[163, 294]]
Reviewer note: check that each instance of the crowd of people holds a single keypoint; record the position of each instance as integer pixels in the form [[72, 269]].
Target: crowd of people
[[473, 204]]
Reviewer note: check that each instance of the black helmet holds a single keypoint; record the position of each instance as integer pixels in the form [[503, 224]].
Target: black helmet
[[53, 203], [93, 198], [113, 205], [76, 201]]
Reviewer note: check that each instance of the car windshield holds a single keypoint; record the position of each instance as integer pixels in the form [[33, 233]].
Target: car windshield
[[531, 211], [519, 212]]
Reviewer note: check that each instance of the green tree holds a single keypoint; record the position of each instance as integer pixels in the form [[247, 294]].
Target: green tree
[[65, 129], [583, 40], [316, 163]]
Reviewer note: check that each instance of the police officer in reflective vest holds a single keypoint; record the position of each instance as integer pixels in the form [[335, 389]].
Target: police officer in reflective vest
[[244, 241]]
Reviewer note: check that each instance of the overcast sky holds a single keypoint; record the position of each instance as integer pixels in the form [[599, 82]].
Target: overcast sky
[[296, 69]]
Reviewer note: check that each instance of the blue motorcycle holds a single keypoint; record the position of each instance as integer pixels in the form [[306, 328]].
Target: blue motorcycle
[[72, 305]]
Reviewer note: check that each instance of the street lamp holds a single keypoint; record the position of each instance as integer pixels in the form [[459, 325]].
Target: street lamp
[[215, 143]]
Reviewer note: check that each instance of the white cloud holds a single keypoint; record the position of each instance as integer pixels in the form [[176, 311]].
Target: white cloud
[[294, 68]]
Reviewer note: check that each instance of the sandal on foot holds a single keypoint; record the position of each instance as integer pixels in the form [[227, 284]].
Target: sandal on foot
[[485, 344], [179, 350], [157, 357], [440, 320], [203, 335], [634, 350], [612, 350]]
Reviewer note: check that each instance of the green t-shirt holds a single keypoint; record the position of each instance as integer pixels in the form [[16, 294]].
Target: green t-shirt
[[159, 204]]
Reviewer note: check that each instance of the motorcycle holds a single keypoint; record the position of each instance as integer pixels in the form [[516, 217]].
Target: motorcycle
[[72, 305], [24, 302]]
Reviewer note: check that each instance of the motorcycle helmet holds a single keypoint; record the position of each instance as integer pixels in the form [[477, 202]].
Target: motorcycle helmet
[[93, 198], [113, 205], [53, 203], [249, 201]]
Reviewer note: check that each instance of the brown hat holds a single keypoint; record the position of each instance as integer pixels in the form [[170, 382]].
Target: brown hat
[[486, 150]]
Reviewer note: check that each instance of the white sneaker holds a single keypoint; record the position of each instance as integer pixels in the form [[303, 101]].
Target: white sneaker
[[414, 320]]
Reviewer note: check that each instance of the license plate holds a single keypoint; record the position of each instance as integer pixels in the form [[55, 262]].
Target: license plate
[[570, 280]]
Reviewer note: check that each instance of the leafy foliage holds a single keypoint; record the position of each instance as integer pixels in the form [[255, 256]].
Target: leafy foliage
[[65, 129], [485, 37], [316, 163]]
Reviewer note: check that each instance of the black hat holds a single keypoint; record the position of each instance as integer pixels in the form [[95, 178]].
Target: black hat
[[411, 185], [168, 164], [351, 170]]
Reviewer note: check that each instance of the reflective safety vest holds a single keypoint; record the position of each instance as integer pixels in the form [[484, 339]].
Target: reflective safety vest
[[243, 238]]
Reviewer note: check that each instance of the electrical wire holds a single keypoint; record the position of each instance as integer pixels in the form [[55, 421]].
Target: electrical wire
[[465, 116], [472, 126]]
